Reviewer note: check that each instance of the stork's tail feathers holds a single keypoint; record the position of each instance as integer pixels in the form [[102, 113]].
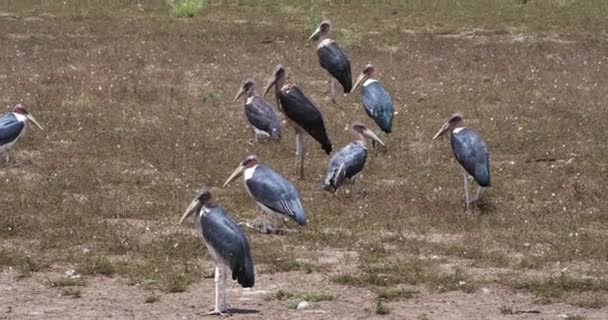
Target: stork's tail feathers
[[245, 276], [327, 146]]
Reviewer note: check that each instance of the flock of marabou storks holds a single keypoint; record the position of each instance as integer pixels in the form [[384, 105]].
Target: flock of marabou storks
[[274, 195]]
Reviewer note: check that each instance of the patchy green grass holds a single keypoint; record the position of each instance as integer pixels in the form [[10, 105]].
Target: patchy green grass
[[350, 38], [380, 308], [67, 282], [25, 263], [95, 265], [187, 8], [294, 298], [395, 293], [561, 287]]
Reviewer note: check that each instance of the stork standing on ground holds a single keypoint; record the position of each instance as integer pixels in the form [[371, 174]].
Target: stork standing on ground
[[471, 151], [332, 59], [259, 113], [301, 113], [227, 245], [376, 101], [12, 127], [273, 194], [346, 165]]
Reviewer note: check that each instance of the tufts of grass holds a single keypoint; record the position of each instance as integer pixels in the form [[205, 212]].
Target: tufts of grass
[[589, 300], [187, 8], [67, 282], [395, 293], [20, 261], [557, 288], [380, 308], [71, 292], [166, 275], [293, 299], [152, 299], [97, 265], [350, 38]]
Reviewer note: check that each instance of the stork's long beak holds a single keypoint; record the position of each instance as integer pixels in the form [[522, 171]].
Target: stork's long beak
[[315, 34], [441, 131], [191, 209], [360, 79], [239, 94], [33, 120], [371, 135], [237, 172], [271, 83]]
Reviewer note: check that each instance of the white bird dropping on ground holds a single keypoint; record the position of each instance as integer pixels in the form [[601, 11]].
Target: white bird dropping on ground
[[12, 127], [273, 194], [471, 151], [376, 101], [259, 113], [346, 164], [227, 245], [332, 59]]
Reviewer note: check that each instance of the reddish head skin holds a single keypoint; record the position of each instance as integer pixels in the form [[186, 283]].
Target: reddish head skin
[[250, 162], [20, 110]]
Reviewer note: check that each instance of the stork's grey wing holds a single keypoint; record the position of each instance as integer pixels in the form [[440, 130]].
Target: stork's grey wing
[[345, 164], [261, 115], [472, 153], [10, 128], [333, 59], [276, 193], [229, 241], [301, 111], [378, 105]]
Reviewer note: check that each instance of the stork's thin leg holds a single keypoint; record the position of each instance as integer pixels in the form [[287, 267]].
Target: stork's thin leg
[[224, 306], [216, 310], [333, 89], [466, 190], [476, 195], [299, 154]]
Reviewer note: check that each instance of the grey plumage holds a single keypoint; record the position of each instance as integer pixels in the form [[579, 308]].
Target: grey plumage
[[472, 153], [10, 128], [261, 115], [344, 165]]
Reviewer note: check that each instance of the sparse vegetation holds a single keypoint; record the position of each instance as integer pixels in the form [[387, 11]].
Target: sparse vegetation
[[187, 8], [380, 308], [95, 265], [67, 282], [350, 38], [294, 298], [71, 292]]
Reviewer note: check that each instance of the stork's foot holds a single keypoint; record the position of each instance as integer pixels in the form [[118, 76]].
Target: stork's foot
[[218, 312]]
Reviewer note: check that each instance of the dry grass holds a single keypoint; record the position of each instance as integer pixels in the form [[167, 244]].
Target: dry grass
[[140, 117]]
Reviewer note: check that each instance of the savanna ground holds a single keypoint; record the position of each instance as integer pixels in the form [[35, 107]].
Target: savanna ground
[[137, 106]]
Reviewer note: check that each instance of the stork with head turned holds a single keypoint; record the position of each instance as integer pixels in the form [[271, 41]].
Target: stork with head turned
[[346, 165], [332, 59], [227, 245], [273, 194], [471, 152], [301, 113], [259, 113], [376, 101], [12, 127]]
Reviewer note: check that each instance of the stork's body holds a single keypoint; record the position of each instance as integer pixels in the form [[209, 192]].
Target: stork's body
[[227, 245], [376, 100], [259, 113], [332, 59], [12, 127], [302, 115], [471, 152], [273, 194], [346, 164]]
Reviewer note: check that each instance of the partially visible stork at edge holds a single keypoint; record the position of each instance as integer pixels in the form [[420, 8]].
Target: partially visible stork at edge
[[346, 164], [227, 245], [12, 127], [259, 113], [301, 113], [273, 194], [471, 152], [376, 101], [332, 59]]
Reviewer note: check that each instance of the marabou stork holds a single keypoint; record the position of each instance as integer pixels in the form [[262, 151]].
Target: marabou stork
[[346, 165], [227, 245], [273, 194], [259, 113], [301, 113], [332, 59], [376, 101], [470, 150], [12, 127]]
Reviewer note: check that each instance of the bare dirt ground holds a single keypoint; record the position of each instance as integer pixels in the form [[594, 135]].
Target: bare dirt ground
[[137, 107]]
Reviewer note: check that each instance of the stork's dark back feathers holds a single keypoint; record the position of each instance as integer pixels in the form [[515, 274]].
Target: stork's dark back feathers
[[472, 153], [300, 110], [229, 241], [344, 165], [333, 59], [378, 105], [10, 128]]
